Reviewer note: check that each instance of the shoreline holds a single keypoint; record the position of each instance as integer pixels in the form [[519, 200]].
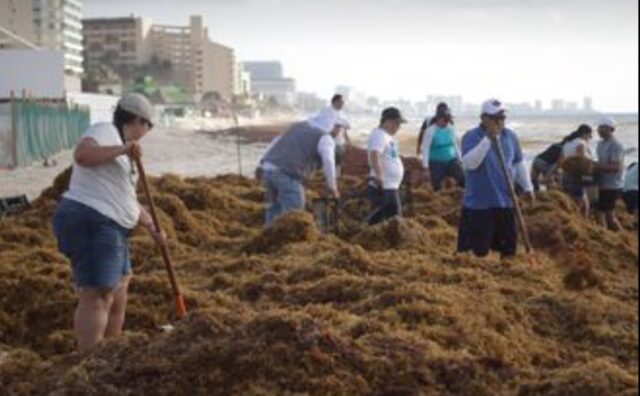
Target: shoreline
[[212, 152]]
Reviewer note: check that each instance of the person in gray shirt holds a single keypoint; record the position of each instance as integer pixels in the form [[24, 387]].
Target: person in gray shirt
[[610, 170], [293, 157]]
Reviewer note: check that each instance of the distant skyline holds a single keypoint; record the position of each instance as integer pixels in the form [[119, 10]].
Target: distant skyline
[[519, 51]]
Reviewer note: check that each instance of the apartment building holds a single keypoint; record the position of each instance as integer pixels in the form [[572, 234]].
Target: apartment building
[[221, 59], [199, 64], [47, 24], [196, 64], [16, 16], [58, 26], [122, 43], [267, 78]]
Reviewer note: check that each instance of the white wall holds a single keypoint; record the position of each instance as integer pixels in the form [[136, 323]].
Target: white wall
[[40, 73], [102, 106]]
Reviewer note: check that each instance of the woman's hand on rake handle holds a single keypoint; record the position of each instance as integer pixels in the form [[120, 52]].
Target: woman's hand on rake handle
[[147, 222], [134, 150], [158, 236]]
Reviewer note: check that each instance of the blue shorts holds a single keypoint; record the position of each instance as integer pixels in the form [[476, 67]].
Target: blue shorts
[[97, 246]]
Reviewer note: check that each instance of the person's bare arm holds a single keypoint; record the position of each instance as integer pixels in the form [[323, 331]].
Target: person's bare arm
[[89, 153], [612, 167], [145, 220], [347, 138]]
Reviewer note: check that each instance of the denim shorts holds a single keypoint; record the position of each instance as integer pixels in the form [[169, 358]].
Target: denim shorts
[[285, 193], [97, 246]]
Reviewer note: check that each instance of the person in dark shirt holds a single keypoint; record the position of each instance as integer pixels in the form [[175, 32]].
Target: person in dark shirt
[[547, 163]]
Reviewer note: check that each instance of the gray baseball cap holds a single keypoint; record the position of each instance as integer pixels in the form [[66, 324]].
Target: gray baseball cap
[[137, 104]]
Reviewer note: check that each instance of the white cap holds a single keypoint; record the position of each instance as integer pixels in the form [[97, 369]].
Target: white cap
[[137, 104], [608, 122], [493, 107]]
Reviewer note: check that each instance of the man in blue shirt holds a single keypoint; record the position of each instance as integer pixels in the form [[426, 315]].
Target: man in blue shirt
[[488, 219]]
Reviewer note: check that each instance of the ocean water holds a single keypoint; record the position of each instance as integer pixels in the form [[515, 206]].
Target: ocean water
[[535, 132]]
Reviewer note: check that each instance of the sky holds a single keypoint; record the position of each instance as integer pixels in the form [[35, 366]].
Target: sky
[[516, 50]]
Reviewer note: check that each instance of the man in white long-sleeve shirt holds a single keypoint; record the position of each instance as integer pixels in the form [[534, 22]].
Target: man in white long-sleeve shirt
[[293, 157], [488, 219], [341, 138]]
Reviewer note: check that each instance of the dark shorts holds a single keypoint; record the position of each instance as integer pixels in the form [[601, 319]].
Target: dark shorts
[[573, 187], [631, 200], [385, 204], [607, 199], [541, 166], [482, 230], [97, 246], [440, 170], [341, 152]]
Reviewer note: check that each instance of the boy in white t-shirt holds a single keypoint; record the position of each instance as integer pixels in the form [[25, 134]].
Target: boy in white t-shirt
[[387, 170]]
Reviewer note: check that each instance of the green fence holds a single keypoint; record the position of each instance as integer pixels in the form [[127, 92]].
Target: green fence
[[43, 130]]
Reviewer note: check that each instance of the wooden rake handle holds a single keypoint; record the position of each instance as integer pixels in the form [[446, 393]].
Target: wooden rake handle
[[181, 308], [512, 192]]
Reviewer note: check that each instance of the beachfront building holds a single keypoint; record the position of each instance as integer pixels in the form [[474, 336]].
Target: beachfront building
[[221, 59], [199, 65], [47, 24], [58, 25], [267, 79], [587, 104], [180, 55], [558, 105], [121, 43], [17, 30], [243, 84]]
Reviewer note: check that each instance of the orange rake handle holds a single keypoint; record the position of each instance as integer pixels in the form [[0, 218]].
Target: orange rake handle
[[181, 308]]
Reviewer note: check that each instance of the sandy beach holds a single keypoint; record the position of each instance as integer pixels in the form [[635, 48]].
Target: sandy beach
[[210, 148], [183, 152]]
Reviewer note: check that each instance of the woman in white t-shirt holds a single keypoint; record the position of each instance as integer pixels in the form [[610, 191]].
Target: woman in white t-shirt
[[575, 153], [94, 218], [387, 170]]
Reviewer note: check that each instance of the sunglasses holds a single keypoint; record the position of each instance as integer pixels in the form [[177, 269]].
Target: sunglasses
[[498, 117]]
